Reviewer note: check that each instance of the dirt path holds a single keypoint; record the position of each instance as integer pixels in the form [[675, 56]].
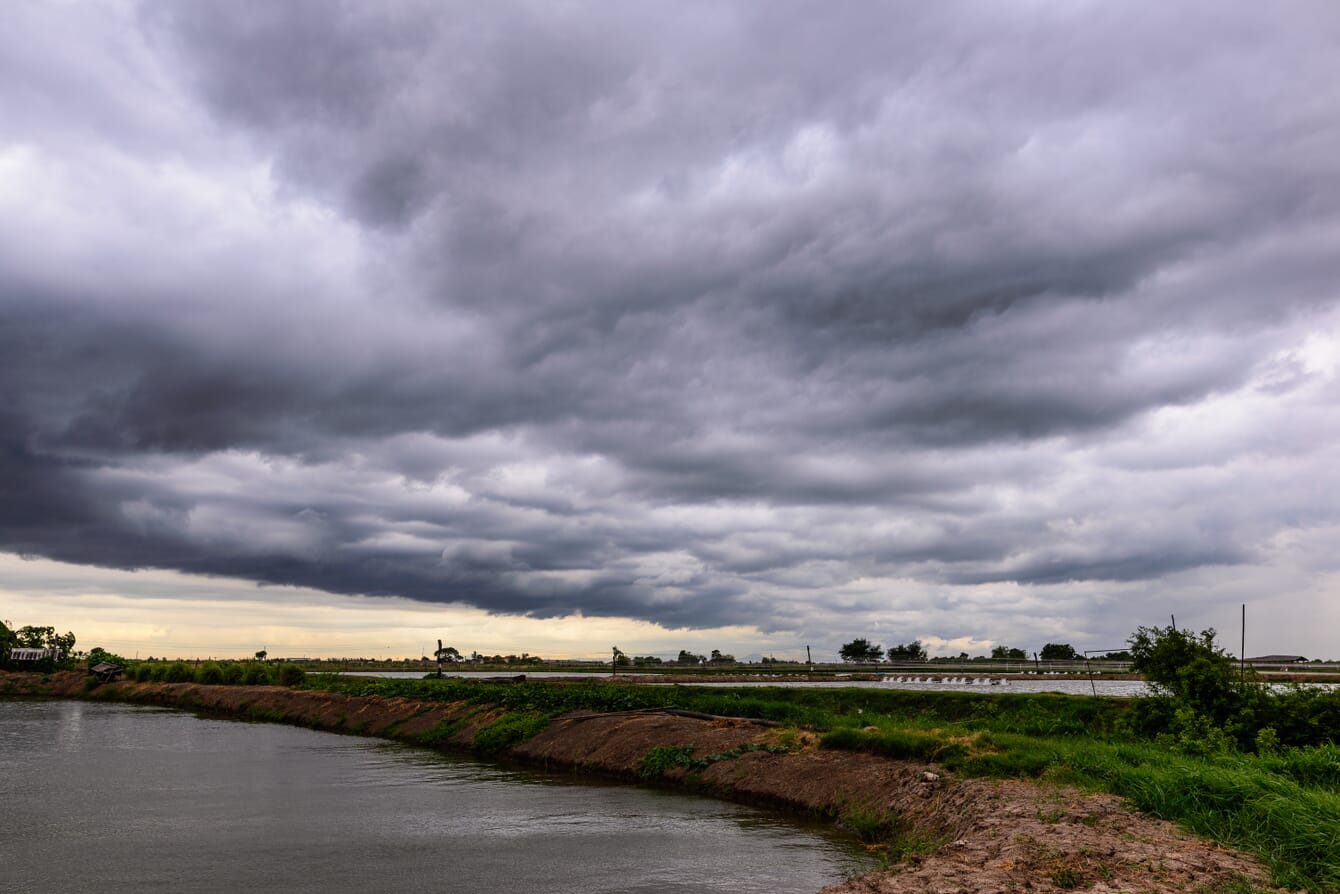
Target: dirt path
[[974, 835]]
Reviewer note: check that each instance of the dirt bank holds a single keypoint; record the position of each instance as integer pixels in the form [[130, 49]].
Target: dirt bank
[[977, 836]]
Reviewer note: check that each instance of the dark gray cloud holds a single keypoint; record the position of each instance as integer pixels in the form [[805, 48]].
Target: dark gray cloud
[[704, 314]]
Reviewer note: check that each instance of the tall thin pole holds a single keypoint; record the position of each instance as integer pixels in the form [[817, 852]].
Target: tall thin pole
[[1174, 620], [1242, 654]]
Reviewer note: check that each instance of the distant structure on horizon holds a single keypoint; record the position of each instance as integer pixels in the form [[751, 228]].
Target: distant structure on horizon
[[23, 653], [1278, 659]]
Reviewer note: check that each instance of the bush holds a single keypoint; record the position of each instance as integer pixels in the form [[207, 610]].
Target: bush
[[144, 673], [178, 672], [1186, 666], [98, 654], [658, 760], [1204, 704], [291, 675], [255, 674], [232, 674], [209, 674]]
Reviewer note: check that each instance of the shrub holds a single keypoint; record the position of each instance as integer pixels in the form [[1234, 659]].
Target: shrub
[[1190, 668], [144, 673], [178, 672], [658, 760], [232, 673], [256, 674], [210, 674], [291, 675]]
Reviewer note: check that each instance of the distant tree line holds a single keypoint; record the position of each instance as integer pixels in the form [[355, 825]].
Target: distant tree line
[[863, 651], [452, 655]]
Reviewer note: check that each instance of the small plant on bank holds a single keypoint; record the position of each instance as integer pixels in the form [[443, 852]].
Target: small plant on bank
[[511, 729], [656, 762], [1066, 878], [871, 826]]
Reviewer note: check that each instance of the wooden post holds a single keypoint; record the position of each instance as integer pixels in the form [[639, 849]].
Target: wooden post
[[439, 659]]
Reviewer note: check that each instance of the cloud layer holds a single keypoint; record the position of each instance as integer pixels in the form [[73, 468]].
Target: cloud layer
[[706, 314]]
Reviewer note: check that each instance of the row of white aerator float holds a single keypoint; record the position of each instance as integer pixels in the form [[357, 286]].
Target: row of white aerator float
[[963, 681]]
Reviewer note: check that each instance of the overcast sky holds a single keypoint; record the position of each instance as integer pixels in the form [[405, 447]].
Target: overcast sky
[[763, 323]]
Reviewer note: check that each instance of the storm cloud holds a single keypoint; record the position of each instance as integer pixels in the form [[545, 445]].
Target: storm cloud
[[698, 313]]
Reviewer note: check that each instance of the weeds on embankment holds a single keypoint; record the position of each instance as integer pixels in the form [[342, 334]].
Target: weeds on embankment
[[212, 673]]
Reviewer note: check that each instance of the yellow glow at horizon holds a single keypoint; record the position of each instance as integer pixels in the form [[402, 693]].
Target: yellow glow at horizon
[[169, 614]]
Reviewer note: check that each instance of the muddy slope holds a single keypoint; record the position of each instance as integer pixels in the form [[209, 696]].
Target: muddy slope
[[963, 835]]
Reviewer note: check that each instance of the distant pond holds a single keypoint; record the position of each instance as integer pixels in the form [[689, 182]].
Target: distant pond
[[946, 683]]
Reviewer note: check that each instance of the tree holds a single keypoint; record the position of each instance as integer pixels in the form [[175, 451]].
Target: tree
[[31, 637], [861, 651], [1188, 667], [913, 651], [8, 640], [1005, 652], [719, 658], [97, 655], [260, 656], [687, 657], [1059, 652], [448, 654]]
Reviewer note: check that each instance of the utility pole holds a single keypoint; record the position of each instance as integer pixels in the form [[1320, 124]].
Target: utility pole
[[1242, 652], [439, 659]]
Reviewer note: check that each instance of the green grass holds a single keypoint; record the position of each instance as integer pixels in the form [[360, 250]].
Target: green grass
[[508, 730], [656, 762], [1235, 799]]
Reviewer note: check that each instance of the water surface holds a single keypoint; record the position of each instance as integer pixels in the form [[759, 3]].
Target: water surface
[[947, 683], [118, 798]]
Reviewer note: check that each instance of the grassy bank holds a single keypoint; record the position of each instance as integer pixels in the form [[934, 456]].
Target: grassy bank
[[1281, 804]]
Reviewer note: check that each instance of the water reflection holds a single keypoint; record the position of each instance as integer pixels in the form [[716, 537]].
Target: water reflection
[[114, 798]]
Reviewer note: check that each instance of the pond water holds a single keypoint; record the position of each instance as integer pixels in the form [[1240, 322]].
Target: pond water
[[118, 798], [947, 682]]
